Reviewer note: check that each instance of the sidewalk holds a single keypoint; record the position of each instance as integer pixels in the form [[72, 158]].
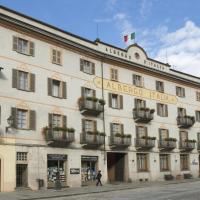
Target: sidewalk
[[48, 194]]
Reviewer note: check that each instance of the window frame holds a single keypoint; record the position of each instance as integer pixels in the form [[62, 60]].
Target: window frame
[[184, 164], [114, 74], [142, 162], [162, 110], [164, 162], [160, 86]]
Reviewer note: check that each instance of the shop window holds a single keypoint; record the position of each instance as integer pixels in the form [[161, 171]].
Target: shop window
[[23, 80], [23, 46]]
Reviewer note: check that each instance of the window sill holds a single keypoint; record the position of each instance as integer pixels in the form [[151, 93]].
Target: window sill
[[26, 54], [24, 90], [56, 63], [143, 171], [88, 73]]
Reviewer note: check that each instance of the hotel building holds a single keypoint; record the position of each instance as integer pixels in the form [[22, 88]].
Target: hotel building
[[70, 107]]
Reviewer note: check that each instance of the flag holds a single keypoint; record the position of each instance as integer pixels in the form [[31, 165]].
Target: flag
[[129, 37]]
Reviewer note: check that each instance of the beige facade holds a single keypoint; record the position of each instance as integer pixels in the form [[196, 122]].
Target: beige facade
[[54, 84]]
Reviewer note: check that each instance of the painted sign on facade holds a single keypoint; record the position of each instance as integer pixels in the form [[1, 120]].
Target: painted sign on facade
[[134, 91]]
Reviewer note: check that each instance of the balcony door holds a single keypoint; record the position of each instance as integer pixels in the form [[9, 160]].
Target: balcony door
[[183, 136], [87, 92], [163, 134]]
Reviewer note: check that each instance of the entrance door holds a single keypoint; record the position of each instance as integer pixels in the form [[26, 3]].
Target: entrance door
[[115, 166], [21, 175]]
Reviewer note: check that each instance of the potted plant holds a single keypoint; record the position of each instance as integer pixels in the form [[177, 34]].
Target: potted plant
[[152, 111], [70, 130], [89, 98], [118, 135], [102, 134], [102, 101]]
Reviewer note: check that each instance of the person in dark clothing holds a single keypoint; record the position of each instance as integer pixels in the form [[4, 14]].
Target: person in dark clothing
[[98, 177]]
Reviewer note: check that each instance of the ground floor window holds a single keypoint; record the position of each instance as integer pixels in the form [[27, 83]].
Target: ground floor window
[[89, 169], [184, 161], [56, 169], [142, 162], [164, 162]]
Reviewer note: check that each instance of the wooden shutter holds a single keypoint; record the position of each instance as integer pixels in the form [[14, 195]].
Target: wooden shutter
[[93, 68], [83, 125], [59, 57], [32, 120], [166, 111], [110, 99], [158, 109], [95, 125], [160, 134], [157, 85], [64, 90], [14, 78], [64, 121], [49, 85], [82, 91], [122, 128], [146, 131], [50, 122], [142, 81], [94, 93], [183, 92], [15, 43], [116, 75], [111, 128], [14, 115], [137, 132], [81, 65], [134, 81], [53, 55], [32, 82], [31, 48], [135, 102], [121, 101], [144, 103]]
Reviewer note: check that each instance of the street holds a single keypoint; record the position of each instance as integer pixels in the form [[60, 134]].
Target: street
[[183, 191]]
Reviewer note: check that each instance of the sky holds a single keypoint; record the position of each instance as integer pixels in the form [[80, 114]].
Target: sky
[[168, 30]]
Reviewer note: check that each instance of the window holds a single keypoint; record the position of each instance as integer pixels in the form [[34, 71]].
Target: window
[[183, 136], [163, 134], [141, 131], [142, 162], [137, 80], [57, 88], [114, 74], [22, 156], [164, 162], [87, 92], [116, 128], [87, 66], [89, 125], [162, 110], [22, 121], [56, 57], [23, 46], [56, 120], [159, 86], [184, 162], [181, 112], [23, 80], [197, 116], [180, 92], [198, 96], [139, 103], [115, 101]]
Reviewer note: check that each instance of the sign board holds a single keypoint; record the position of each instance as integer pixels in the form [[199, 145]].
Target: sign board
[[89, 158], [56, 157], [74, 170]]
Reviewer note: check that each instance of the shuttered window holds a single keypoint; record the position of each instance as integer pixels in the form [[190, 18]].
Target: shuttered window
[[198, 96], [114, 74], [159, 86], [138, 80], [23, 80], [181, 112], [87, 66], [24, 119], [142, 162], [115, 101], [89, 125], [23, 46], [56, 57], [162, 110], [57, 88], [180, 92]]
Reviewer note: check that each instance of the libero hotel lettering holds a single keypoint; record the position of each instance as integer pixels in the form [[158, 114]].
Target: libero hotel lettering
[[70, 106]]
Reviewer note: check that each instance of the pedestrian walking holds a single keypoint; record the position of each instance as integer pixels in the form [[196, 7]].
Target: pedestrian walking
[[98, 177]]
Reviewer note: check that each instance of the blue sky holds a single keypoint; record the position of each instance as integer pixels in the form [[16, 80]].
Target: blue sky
[[169, 30]]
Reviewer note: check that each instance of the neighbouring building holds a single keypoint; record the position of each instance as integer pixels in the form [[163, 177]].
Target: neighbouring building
[[70, 107]]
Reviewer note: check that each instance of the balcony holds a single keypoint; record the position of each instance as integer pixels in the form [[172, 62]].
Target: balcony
[[92, 139], [90, 106], [59, 136], [187, 145], [185, 121], [120, 141], [143, 115], [167, 144], [145, 143]]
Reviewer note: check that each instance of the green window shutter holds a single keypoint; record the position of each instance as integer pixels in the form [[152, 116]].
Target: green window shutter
[[14, 78], [81, 65], [14, 115], [32, 120], [166, 110], [111, 128], [95, 125], [50, 118], [54, 56], [15, 43], [64, 121], [49, 85], [121, 101], [59, 57], [64, 90], [31, 49], [93, 68], [110, 99], [83, 125], [82, 91], [122, 128], [32, 82]]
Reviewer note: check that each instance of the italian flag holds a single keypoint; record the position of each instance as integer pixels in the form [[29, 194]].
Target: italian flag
[[129, 37]]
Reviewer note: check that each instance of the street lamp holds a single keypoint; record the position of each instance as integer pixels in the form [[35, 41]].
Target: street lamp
[[10, 121]]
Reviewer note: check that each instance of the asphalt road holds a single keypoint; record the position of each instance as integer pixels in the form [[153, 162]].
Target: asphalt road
[[183, 191]]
